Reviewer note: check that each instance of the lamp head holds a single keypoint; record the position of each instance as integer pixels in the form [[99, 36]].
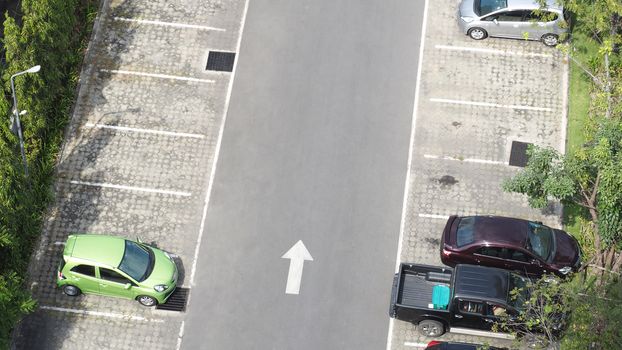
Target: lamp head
[[34, 69]]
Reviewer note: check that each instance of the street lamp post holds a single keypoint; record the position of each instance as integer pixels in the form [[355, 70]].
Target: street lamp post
[[34, 69]]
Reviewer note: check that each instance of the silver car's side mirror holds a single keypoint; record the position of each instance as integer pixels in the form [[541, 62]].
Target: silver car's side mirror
[[494, 20]]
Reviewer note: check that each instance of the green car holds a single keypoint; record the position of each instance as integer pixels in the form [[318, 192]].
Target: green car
[[118, 267]]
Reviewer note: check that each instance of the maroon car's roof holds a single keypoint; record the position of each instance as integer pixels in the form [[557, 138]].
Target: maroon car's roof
[[498, 229]]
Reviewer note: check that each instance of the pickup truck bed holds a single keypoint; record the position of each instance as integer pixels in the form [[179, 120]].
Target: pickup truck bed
[[415, 289]]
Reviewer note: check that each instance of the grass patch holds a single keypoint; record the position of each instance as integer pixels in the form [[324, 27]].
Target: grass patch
[[580, 88]]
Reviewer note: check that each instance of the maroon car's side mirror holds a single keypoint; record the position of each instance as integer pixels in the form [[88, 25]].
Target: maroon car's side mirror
[[535, 262]]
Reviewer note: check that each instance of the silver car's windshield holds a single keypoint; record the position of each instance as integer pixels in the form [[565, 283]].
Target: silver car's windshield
[[484, 7], [136, 261]]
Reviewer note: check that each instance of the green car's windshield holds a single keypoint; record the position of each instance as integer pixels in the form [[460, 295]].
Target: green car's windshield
[[137, 261], [540, 240], [484, 7], [517, 292]]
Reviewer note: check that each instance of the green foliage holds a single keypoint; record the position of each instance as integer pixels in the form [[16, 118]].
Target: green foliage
[[53, 34], [543, 178], [14, 301], [545, 305], [596, 317], [591, 177]]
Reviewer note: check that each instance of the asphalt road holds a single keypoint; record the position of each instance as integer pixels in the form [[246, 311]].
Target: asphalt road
[[315, 148]]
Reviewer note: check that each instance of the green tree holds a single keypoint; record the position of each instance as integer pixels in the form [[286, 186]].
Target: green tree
[[590, 177], [599, 21], [544, 306]]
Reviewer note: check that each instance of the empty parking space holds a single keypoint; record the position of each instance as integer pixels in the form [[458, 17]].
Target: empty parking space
[[211, 13], [154, 103], [148, 48], [478, 132], [63, 329], [169, 163]]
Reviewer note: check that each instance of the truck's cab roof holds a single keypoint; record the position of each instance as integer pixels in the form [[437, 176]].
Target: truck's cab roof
[[480, 282]]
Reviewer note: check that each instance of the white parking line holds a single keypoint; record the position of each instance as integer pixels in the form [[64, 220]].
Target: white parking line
[[160, 76], [180, 335], [146, 131], [468, 160], [434, 216], [103, 314], [130, 188], [491, 51], [418, 345], [409, 161], [217, 151], [487, 104], [168, 24]]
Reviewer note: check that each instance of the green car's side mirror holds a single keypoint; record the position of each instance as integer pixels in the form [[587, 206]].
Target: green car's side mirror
[[128, 285], [138, 240]]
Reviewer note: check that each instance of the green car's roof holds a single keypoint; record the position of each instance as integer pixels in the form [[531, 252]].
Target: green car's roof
[[107, 250]]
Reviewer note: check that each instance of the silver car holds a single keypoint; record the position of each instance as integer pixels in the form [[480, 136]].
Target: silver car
[[518, 19]]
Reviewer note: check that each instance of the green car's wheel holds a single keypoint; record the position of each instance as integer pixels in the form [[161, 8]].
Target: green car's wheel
[[146, 300], [70, 290]]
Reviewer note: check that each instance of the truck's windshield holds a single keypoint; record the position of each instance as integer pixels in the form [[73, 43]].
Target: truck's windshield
[[517, 292]]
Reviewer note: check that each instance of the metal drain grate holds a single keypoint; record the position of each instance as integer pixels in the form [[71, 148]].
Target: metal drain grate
[[518, 154], [220, 61], [176, 302]]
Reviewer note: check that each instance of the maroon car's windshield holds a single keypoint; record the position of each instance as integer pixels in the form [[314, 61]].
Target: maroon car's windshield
[[465, 232], [540, 240]]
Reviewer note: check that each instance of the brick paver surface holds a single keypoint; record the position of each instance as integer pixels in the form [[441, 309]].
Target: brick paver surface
[[451, 140], [152, 134]]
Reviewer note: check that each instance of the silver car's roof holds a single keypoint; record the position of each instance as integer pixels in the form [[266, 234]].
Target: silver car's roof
[[533, 4], [466, 6]]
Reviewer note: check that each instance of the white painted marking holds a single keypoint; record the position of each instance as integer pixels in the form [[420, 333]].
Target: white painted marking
[[146, 131], [130, 188], [168, 24], [434, 216], [487, 104], [210, 184], [59, 243], [297, 255], [481, 333], [410, 158], [153, 75], [103, 314], [467, 160], [417, 345], [180, 335], [491, 51]]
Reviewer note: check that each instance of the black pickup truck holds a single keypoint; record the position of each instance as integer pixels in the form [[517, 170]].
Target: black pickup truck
[[440, 299]]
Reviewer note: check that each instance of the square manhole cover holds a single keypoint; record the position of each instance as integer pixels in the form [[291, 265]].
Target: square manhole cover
[[176, 302], [220, 61], [518, 154]]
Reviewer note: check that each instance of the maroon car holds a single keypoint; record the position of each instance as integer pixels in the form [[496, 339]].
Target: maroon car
[[509, 243]]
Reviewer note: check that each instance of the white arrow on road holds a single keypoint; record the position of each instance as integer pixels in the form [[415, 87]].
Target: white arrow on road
[[297, 255]]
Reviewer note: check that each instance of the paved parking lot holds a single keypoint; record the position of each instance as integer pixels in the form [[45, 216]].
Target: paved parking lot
[[144, 134], [137, 162], [474, 99]]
